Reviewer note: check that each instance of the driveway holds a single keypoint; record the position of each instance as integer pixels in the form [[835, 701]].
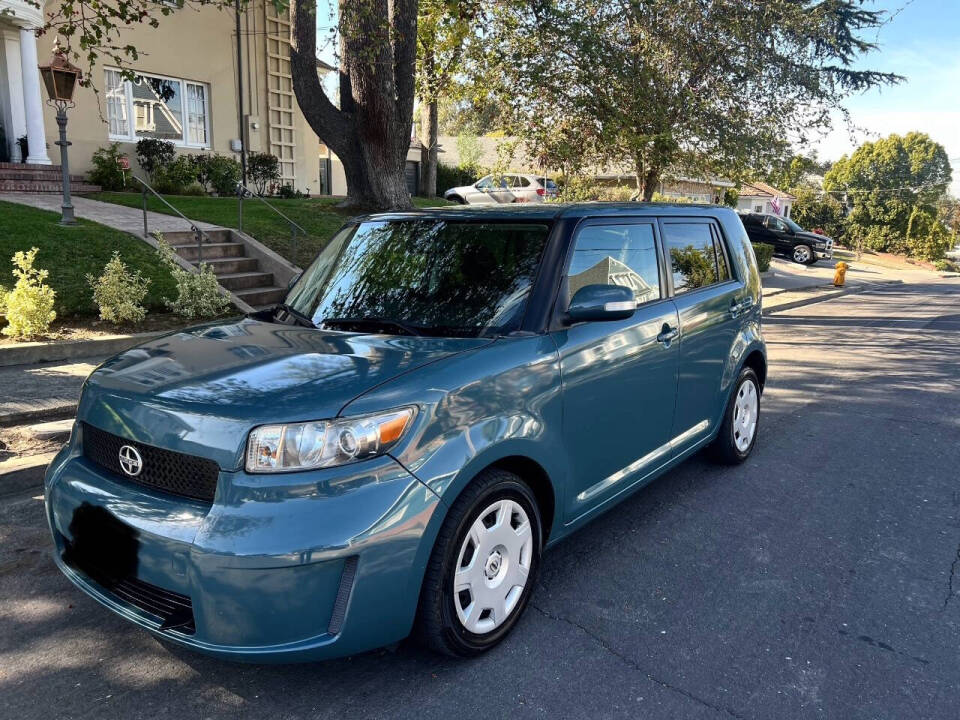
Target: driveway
[[820, 579]]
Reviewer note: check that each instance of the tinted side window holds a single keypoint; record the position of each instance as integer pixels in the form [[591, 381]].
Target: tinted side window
[[522, 181], [696, 259], [616, 255]]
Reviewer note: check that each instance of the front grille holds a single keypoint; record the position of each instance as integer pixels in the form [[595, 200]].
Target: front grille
[[172, 472]]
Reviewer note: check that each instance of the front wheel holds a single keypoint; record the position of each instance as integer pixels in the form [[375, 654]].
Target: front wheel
[[738, 432], [483, 567], [804, 255]]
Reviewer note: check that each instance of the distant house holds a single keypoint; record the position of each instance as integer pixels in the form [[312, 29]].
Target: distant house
[[759, 197]]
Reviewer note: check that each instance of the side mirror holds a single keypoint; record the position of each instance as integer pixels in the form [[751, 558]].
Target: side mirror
[[602, 302], [293, 281]]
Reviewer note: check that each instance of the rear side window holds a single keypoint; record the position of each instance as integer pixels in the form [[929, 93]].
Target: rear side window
[[696, 256], [616, 255], [523, 182]]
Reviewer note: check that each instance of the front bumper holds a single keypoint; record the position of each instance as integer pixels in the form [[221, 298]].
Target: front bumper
[[279, 568]]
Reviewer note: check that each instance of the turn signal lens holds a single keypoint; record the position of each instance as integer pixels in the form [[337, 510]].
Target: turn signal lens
[[324, 443]]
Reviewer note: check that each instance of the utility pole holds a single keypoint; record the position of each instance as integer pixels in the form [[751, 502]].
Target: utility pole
[[243, 144]]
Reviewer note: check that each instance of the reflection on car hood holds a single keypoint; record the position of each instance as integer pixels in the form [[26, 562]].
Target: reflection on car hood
[[210, 384]]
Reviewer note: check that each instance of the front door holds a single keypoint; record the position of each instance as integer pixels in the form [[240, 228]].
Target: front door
[[709, 302], [779, 235], [480, 193], [619, 377]]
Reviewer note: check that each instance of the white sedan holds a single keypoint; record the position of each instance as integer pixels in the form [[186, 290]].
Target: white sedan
[[508, 188]]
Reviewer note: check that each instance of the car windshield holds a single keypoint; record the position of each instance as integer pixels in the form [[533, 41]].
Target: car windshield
[[422, 277], [792, 225]]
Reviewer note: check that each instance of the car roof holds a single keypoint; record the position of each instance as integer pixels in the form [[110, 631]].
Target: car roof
[[552, 211]]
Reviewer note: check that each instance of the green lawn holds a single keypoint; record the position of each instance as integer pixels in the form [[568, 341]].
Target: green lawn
[[69, 253], [318, 216]]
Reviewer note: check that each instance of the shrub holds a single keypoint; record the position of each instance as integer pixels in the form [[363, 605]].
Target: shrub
[[4, 293], [198, 294], [119, 293], [106, 168], [30, 303], [942, 265], [174, 177], [224, 174], [263, 169], [201, 166], [154, 155], [287, 192], [764, 255], [449, 176], [927, 237]]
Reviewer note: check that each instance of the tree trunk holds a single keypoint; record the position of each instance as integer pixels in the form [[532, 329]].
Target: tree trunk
[[429, 133], [370, 131], [649, 181]]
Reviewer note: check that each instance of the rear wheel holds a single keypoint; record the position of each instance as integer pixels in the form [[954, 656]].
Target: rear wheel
[[483, 567], [738, 432]]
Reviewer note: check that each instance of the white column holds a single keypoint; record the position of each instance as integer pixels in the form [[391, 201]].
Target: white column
[[32, 103], [17, 119]]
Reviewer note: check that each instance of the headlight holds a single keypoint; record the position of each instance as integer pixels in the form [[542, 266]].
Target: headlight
[[324, 443]]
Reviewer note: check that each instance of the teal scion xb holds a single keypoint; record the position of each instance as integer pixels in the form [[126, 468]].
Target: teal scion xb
[[441, 396]]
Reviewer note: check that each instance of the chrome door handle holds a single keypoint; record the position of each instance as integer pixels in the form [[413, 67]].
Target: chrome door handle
[[668, 334]]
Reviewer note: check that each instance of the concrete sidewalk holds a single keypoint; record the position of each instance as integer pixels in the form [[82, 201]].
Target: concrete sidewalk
[[119, 217], [30, 393]]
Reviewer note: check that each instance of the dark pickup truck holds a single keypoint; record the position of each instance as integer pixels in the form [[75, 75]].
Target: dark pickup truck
[[787, 238]]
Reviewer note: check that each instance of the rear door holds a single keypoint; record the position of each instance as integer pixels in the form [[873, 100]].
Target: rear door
[[708, 299], [619, 377]]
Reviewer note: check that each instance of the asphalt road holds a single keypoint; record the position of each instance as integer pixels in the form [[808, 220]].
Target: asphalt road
[[820, 579]]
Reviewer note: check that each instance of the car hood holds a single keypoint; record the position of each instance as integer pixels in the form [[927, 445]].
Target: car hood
[[811, 236], [201, 390]]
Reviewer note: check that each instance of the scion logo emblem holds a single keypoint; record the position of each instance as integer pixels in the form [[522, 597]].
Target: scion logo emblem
[[130, 461]]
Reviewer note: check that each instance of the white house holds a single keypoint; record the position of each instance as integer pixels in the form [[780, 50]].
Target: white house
[[21, 104], [758, 197]]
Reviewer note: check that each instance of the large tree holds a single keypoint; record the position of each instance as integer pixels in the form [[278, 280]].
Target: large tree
[[369, 128], [889, 183], [679, 86]]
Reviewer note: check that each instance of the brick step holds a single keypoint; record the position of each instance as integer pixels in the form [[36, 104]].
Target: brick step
[[211, 251], [43, 186], [27, 166], [246, 280], [261, 295], [232, 265], [44, 176]]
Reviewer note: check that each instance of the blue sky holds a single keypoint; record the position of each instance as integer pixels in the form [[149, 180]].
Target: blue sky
[[921, 41]]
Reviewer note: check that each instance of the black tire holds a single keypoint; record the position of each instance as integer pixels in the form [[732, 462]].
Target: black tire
[[437, 625], [811, 256], [724, 447], [457, 199]]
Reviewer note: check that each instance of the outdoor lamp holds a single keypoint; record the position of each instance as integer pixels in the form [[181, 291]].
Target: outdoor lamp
[[60, 78]]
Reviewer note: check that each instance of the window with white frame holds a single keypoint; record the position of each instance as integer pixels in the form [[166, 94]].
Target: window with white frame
[[154, 106]]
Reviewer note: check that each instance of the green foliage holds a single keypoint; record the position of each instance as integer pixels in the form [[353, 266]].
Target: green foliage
[[119, 293], [764, 254], [927, 238], [888, 182], [469, 151], [288, 192], [658, 197], [198, 294], [263, 169], [106, 168], [174, 177], [30, 303], [813, 209], [154, 155], [224, 173], [4, 293], [697, 266], [449, 176], [71, 253]]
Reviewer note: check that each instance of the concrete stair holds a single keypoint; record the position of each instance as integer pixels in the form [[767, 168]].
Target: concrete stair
[[235, 270], [27, 177]]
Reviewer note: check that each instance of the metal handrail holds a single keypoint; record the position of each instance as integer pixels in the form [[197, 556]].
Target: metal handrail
[[242, 192], [197, 232]]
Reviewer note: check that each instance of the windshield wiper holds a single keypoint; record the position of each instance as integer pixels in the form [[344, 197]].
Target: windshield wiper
[[296, 315], [375, 322]]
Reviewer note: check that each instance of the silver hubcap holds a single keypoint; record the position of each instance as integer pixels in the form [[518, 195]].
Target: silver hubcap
[[801, 254], [493, 566], [745, 410]]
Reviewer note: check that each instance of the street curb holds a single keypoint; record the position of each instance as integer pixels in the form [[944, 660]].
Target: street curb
[[22, 474], [27, 417], [820, 298], [30, 353]]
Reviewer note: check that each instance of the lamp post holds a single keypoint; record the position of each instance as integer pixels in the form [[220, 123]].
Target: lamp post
[[60, 78]]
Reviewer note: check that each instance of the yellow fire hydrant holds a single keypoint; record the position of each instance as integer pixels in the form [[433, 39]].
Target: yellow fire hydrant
[[841, 273]]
